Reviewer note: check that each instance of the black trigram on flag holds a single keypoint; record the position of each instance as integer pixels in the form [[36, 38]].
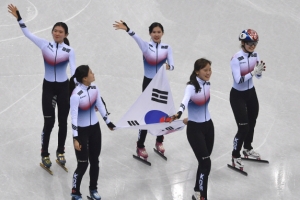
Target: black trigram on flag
[[169, 128], [133, 123], [159, 96]]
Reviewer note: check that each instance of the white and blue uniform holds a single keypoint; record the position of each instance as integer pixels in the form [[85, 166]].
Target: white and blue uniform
[[154, 55], [242, 64], [87, 131], [55, 87], [82, 102], [56, 56], [243, 99], [197, 103]]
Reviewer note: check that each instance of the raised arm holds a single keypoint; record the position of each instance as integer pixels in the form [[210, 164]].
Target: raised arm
[[123, 26], [36, 40]]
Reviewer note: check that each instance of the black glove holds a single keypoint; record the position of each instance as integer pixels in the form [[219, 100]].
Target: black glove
[[126, 27], [111, 125], [179, 113], [19, 16]]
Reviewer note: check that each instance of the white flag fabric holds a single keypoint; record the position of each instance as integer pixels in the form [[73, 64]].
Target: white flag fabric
[[152, 109]]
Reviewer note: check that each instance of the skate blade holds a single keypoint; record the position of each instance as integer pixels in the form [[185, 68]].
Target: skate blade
[[142, 160], [256, 160], [237, 170], [62, 166], [164, 157], [46, 168], [89, 198]]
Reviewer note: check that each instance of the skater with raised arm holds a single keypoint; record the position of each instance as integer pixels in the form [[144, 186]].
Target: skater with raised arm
[[155, 54], [57, 54]]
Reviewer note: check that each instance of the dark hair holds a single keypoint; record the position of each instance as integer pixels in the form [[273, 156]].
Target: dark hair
[[199, 64], [81, 72], [65, 27], [155, 24]]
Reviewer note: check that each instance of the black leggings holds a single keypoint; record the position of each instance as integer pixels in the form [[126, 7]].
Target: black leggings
[[143, 133], [55, 93], [245, 108], [90, 141], [201, 138]]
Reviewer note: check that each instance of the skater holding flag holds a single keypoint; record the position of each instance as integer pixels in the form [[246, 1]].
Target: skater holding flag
[[155, 54], [200, 128]]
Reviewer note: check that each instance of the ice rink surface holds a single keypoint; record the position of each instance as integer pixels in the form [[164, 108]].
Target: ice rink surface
[[194, 29]]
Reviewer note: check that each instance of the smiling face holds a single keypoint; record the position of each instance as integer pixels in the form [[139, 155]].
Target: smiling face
[[204, 73], [59, 34], [249, 46], [156, 34]]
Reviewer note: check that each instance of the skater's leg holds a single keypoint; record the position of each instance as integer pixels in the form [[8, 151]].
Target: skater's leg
[[63, 105], [95, 144], [238, 105], [48, 106], [252, 108], [141, 138], [143, 133], [160, 138], [197, 141], [82, 159], [209, 136]]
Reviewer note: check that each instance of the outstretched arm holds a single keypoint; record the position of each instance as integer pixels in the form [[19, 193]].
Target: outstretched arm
[[123, 26], [36, 40]]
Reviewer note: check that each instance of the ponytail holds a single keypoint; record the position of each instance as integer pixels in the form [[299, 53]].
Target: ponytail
[[66, 41], [193, 81], [71, 85], [80, 72]]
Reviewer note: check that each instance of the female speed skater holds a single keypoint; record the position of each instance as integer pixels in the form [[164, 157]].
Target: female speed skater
[[200, 128], [155, 54], [57, 55]]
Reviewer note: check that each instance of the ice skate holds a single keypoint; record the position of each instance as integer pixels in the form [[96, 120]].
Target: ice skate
[[196, 196], [94, 195], [142, 155], [251, 155], [46, 164], [160, 150], [237, 165], [61, 161], [76, 197]]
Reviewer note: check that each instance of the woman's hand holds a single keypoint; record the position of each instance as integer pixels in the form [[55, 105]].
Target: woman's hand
[[167, 66], [13, 10], [120, 25], [185, 121], [77, 145]]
